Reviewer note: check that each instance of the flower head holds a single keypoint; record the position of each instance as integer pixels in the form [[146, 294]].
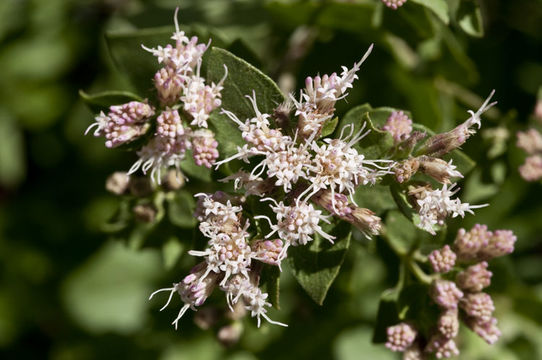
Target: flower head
[[446, 294], [442, 260], [474, 278], [399, 125], [400, 336]]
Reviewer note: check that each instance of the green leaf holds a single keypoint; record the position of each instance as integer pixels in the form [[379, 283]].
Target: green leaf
[[387, 315], [401, 233], [243, 79], [316, 265], [270, 281], [130, 58], [138, 64], [439, 7], [329, 127], [378, 198], [194, 171], [103, 100], [108, 293], [180, 210], [172, 251], [377, 143], [469, 18]]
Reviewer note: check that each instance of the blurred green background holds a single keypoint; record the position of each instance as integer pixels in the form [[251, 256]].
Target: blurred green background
[[69, 291]]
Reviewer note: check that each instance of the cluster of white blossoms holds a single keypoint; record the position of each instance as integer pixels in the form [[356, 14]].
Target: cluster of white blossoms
[[185, 103], [434, 205], [227, 260], [302, 164]]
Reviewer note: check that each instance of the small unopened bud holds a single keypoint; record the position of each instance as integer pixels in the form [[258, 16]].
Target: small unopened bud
[[479, 306], [405, 169], [169, 85], [501, 243], [337, 204], [442, 260], [442, 346], [530, 141], [468, 244], [204, 148], [400, 337], [438, 169], [145, 213], [441, 144], [117, 183], [229, 335], [174, 180], [140, 186], [475, 278], [207, 317], [399, 125], [268, 251], [446, 294], [448, 323], [531, 170], [366, 221], [487, 330]]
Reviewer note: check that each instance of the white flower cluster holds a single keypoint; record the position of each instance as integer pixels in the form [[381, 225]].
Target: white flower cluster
[[434, 206], [184, 99], [302, 165], [227, 260]]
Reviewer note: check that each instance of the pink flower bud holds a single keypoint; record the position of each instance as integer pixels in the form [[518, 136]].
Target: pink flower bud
[[468, 244], [531, 170], [487, 330], [446, 294], [478, 305], [442, 260], [400, 337], [448, 323], [475, 278], [399, 125]]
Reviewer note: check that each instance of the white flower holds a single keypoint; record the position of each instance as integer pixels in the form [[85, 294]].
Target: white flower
[[337, 166], [160, 153], [184, 56], [242, 288], [296, 224], [434, 206]]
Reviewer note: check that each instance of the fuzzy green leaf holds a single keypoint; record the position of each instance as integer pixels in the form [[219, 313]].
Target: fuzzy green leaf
[[270, 281], [377, 143], [103, 100], [316, 265], [243, 79], [181, 207]]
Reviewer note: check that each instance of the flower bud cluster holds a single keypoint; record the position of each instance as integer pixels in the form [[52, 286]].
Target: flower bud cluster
[[185, 103], [123, 123], [394, 4], [306, 169], [481, 244], [434, 206], [531, 142], [227, 259]]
